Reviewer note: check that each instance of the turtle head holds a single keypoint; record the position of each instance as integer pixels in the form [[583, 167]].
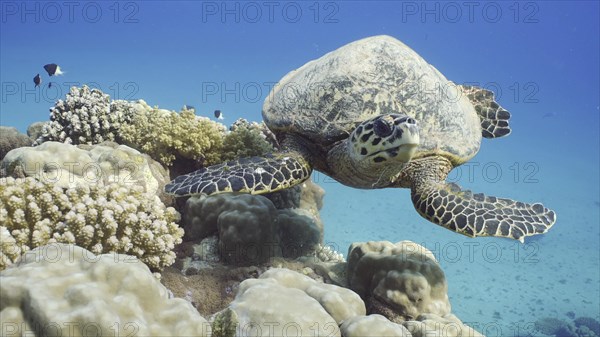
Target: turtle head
[[384, 139]]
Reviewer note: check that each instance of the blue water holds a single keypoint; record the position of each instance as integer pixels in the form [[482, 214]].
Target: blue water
[[542, 59]]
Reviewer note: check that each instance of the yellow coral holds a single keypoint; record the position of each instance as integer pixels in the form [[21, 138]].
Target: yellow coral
[[102, 219], [167, 135], [245, 141]]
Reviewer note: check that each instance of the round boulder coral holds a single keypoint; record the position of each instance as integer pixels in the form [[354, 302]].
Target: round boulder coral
[[399, 281], [65, 290], [67, 166], [11, 138]]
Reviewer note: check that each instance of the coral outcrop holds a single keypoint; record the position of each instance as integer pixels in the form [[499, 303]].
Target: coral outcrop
[[282, 302], [68, 166], [11, 138], [431, 325], [168, 135], [250, 229], [372, 325], [65, 290], [102, 219], [399, 281], [88, 116], [246, 139]]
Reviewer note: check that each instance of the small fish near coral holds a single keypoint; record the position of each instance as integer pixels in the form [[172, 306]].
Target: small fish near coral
[[52, 69], [369, 126], [37, 80], [219, 114]]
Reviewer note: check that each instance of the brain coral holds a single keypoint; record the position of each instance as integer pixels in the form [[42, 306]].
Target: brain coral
[[88, 116], [68, 166], [168, 135], [109, 218], [399, 281], [65, 290]]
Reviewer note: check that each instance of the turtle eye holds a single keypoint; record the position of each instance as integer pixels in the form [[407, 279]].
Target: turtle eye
[[382, 128]]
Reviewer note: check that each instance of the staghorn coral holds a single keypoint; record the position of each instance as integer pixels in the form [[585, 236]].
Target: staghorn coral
[[103, 219], [168, 135], [245, 140], [87, 116], [65, 290], [11, 138]]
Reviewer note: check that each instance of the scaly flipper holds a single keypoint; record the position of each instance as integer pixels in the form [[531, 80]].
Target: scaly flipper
[[447, 205], [254, 175], [494, 119], [461, 211]]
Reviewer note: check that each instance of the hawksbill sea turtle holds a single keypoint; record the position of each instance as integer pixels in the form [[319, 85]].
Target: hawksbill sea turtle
[[374, 114]]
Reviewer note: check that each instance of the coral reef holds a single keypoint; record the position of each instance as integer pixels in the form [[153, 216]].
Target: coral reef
[[168, 135], [245, 140], [88, 116], [372, 325], [429, 325], [110, 218], [34, 130], [69, 166], [11, 138], [285, 302], [581, 327], [251, 230], [399, 281], [65, 290]]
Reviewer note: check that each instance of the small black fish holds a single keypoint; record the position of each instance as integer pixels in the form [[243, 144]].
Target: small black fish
[[188, 107], [53, 69], [219, 114], [37, 80], [49, 85]]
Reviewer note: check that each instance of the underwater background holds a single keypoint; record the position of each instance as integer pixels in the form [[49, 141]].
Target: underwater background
[[541, 58]]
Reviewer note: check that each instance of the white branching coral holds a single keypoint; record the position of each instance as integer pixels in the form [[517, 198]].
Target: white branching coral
[[88, 116], [102, 219]]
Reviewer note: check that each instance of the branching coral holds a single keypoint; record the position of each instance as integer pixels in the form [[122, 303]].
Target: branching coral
[[103, 219], [167, 135], [87, 116], [245, 140]]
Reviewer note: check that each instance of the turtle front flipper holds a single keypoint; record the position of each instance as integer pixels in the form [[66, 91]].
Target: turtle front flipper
[[464, 212], [494, 119], [254, 175]]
